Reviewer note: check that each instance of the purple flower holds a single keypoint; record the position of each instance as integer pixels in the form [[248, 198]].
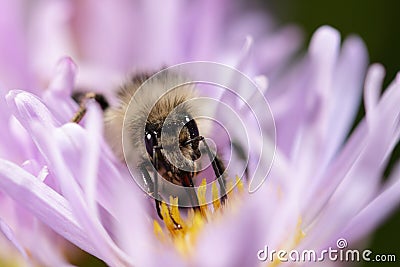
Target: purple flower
[[42, 184], [61, 180]]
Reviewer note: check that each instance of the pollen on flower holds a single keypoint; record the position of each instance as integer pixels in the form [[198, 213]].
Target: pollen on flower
[[215, 197], [182, 231], [201, 194], [239, 183], [158, 230], [299, 234]]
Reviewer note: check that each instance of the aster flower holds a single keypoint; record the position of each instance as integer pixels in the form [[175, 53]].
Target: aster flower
[[321, 185], [37, 36]]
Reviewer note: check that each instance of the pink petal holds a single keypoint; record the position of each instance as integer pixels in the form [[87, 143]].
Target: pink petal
[[347, 89], [94, 126], [9, 234], [27, 107], [164, 26], [43, 202], [208, 15], [323, 52], [107, 34], [66, 140], [365, 153], [58, 95], [131, 211], [14, 67], [274, 50], [234, 241], [62, 151], [63, 81], [373, 87], [49, 25], [287, 98], [13, 135], [376, 211]]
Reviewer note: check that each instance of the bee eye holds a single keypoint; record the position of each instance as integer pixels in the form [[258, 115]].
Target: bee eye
[[150, 139]]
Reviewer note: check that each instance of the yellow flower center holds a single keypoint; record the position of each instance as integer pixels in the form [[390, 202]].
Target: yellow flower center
[[181, 231]]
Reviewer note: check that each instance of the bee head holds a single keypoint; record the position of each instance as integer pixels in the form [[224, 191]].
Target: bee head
[[172, 133]]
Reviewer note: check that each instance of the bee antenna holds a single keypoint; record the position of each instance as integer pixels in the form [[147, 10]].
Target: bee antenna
[[197, 138]]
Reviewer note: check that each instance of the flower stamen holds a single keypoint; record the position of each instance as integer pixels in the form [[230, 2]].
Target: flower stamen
[[183, 231]]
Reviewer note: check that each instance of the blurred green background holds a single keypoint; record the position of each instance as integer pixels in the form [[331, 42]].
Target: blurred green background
[[377, 22]]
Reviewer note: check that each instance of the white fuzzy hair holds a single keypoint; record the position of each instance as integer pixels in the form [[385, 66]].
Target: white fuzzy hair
[[153, 102]]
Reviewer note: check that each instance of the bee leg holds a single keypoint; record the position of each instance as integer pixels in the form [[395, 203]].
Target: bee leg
[[222, 179], [155, 178], [150, 186], [219, 170], [238, 148], [154, 184], [187, 182], [81, 98]]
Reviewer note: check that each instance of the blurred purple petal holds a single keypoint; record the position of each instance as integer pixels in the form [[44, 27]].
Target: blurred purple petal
[[13, 49], [346, 95], [365, 169], [231, 242], [63, 151], [27, 107], [376, 211], [106, 34], [43, 202], [50, 36], [8, 233]]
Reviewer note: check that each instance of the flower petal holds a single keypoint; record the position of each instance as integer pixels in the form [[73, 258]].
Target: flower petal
[[233, 241], [94, 126], [8, 233], [274, 50], [208, 31], [373, 86], [365, 153], [64, 78], [27, 107], [346, 94], [122, 23], [323, 52], [47, 205], [49, 25], [133, 223], [13, 49], [58, 95], [60, 150], [375, 212]]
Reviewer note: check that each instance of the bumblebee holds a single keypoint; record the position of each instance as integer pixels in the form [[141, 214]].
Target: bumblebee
[[162, 121]]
